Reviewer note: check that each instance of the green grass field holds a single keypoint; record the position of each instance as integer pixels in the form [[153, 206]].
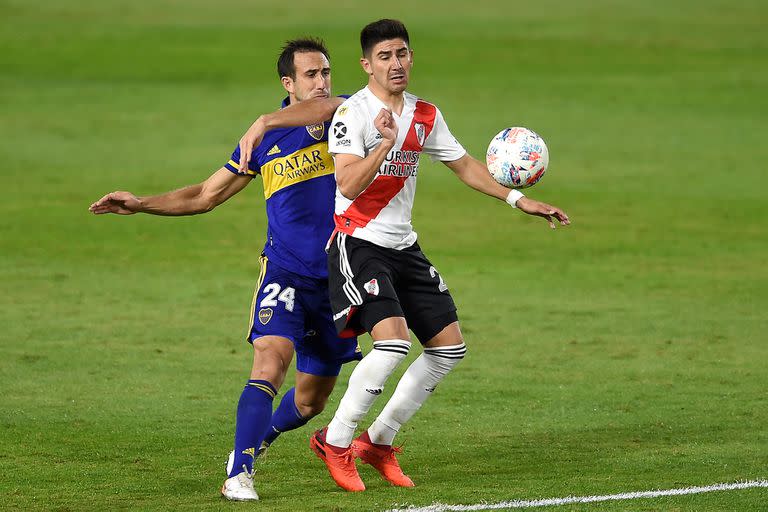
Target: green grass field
[[624, 353]]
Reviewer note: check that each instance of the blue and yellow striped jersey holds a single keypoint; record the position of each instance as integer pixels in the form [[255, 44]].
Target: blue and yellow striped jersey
[[299, 187]]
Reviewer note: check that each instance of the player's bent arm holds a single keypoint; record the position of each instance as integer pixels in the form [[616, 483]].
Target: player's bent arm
[[354, 174], [315, 110], [302, 113]]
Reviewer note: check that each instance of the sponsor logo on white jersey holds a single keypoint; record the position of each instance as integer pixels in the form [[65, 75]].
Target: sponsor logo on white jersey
[[339, 130]]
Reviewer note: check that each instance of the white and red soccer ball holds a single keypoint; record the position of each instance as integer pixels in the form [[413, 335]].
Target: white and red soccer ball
[[517, 157]]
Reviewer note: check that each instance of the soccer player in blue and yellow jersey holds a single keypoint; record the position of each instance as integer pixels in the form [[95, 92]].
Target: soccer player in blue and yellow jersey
[[291, 310]]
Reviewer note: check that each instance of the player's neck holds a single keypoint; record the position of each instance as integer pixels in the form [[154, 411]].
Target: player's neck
[[393, 100]]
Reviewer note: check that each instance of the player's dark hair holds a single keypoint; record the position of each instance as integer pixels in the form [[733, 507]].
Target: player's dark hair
[[379, 31], [285, 65]]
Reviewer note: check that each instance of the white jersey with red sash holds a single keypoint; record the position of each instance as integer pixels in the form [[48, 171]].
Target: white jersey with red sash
[[381, 214]]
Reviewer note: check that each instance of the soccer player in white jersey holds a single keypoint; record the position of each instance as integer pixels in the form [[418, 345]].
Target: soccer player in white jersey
[[379, 279]]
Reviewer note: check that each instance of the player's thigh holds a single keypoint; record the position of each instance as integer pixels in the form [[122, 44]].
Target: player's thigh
[[391, 328], [322, 351], [276, 309], [272, 357], [277, 320], [361, 277], [429, 308], [448, 336]]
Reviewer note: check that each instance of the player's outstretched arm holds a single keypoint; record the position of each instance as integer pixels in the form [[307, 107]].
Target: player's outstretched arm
[[475, 174], [193, 199], [315, 110]]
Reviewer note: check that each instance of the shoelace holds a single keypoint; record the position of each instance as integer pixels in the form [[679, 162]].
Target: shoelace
[[348, 457], [249, 478], [391, 454]]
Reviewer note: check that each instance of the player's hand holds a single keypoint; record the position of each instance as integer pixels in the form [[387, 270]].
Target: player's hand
[[385, 124], [122, 203], [547, 211], [250, 140]]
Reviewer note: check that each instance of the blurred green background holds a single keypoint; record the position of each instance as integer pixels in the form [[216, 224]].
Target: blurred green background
[[625, 352]]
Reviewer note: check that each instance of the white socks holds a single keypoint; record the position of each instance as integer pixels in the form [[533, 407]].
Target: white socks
[[365, 384], [416, 385]]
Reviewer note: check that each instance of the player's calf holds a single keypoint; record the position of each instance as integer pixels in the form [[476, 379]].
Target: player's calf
[[415, 386], [365, 385]]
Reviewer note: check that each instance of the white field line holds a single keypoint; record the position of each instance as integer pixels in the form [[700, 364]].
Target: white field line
[[438, 507]]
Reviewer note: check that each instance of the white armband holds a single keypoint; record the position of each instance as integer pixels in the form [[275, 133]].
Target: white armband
[[513, 197]]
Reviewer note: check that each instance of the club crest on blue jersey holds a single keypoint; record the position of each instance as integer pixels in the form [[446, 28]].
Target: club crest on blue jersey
[[296, 172], [316, 131], [265, 315]]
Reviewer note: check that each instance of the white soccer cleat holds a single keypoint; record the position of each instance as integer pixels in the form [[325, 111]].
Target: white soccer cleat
[[239, 487]]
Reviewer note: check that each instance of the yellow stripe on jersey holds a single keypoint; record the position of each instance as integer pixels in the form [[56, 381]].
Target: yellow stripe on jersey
[[236, 165], [262, 272], [302, 165]]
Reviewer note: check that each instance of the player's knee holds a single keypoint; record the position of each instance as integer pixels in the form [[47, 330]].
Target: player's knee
[[441, 360], [271, 375], [311, 408], [373, 371], [268, 366]]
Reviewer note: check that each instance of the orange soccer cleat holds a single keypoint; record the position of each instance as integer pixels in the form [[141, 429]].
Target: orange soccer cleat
[[382, 458], [339, 461]]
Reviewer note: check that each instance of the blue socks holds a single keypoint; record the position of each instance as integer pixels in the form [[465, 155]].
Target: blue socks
[[257, 423], [254, 412], [286, 417]]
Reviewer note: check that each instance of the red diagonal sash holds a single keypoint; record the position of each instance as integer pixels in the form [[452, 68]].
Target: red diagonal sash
[[383, 189]]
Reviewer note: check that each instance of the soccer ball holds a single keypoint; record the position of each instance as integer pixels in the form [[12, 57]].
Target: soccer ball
[[517, 157]]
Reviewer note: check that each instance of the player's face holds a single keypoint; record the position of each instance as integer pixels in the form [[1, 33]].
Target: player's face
[[389, 65], [313, 77]]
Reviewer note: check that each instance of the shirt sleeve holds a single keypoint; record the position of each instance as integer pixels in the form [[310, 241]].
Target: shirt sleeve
[[347, 132], [233, 165], [441, 145]]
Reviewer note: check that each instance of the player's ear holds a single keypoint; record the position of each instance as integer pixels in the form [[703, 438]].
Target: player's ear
[[287, 84], [366, 66]]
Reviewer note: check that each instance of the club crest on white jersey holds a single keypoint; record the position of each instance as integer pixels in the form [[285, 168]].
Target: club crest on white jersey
[[420, 133]]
